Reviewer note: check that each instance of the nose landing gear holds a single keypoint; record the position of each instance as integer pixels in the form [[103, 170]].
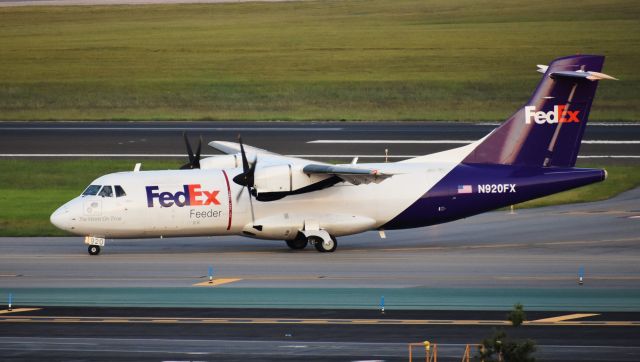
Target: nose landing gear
[[94, 244]]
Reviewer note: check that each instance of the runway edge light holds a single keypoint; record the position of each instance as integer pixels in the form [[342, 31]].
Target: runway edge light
[[382, 304], [581, 275], [210, 274], [10, 301]]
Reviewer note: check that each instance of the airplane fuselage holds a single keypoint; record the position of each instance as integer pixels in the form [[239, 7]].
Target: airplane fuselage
[[204, 202]]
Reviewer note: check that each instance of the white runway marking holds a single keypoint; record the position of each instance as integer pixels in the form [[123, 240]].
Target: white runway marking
[[588, 142], [395, 141]]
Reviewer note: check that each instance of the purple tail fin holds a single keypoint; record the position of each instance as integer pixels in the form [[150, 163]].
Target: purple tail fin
[[548, 130]]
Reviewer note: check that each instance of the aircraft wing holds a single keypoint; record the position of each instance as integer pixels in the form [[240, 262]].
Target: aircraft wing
[[353, 175], [232, 148]]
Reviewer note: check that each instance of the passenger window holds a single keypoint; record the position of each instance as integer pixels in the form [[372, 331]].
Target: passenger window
[[120, 191], [91, 190], [106, 191]]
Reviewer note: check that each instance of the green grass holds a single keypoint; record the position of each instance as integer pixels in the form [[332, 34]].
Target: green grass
[[31, 190], [354, 59]]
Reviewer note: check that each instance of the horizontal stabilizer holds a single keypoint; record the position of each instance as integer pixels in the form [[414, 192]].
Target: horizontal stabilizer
[[592, 76]]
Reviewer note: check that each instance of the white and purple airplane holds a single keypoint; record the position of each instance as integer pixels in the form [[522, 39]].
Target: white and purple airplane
[[260, 194]]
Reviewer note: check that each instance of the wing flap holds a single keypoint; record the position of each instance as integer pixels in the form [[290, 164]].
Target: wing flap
[[353, 175]]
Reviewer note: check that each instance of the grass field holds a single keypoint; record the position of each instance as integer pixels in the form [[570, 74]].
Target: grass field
[[31, 191], [354, 59]]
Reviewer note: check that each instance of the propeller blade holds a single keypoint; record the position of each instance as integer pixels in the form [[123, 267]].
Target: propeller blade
[[189, 150], [194, 160], [245, 162], [252, 171], [248, 169], [253, 217], [239, 194]]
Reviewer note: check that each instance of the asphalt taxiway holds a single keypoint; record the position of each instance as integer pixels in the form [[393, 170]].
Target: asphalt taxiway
[[325, 141], [301, 334]]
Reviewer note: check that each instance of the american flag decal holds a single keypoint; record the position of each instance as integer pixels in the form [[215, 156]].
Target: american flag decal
[[464, 189]]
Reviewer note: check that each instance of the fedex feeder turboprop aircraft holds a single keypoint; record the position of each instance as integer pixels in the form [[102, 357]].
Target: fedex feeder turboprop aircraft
[[259, 194]]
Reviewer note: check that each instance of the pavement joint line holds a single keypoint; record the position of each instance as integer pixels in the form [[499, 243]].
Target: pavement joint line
[[567, 317]]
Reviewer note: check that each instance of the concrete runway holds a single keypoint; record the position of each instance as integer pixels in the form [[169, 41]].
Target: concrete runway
[[326, 141]]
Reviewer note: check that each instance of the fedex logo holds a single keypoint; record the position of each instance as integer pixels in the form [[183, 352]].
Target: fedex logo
[[191, 195], [560, 114]]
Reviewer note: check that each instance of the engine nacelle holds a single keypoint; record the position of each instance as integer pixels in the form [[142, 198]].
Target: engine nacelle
[[283, 178], [223, 161]]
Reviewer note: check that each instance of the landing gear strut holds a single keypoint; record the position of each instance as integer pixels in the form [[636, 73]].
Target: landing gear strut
[[94, 250]]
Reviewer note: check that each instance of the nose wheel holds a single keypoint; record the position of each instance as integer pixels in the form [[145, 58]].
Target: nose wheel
[[94, 250]]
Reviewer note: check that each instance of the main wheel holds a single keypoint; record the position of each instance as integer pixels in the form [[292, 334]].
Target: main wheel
[[94, 250], [326, 246], [297, 243]]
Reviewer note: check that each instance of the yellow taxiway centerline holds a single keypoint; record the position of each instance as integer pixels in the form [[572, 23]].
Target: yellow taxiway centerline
[[563, 318], [216, 282], [18, 310]]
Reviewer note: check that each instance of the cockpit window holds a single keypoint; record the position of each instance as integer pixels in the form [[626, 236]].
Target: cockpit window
[[91, 190], [120, 191], [106, 191]]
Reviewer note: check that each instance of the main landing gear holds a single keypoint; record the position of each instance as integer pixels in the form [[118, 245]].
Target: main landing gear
[[323, 245], [298, 243]]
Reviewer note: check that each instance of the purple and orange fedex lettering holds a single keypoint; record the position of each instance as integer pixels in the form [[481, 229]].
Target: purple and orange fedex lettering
[[191, 195], [560, 114]]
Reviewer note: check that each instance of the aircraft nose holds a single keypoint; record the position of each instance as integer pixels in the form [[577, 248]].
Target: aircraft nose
[[61, 218]]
